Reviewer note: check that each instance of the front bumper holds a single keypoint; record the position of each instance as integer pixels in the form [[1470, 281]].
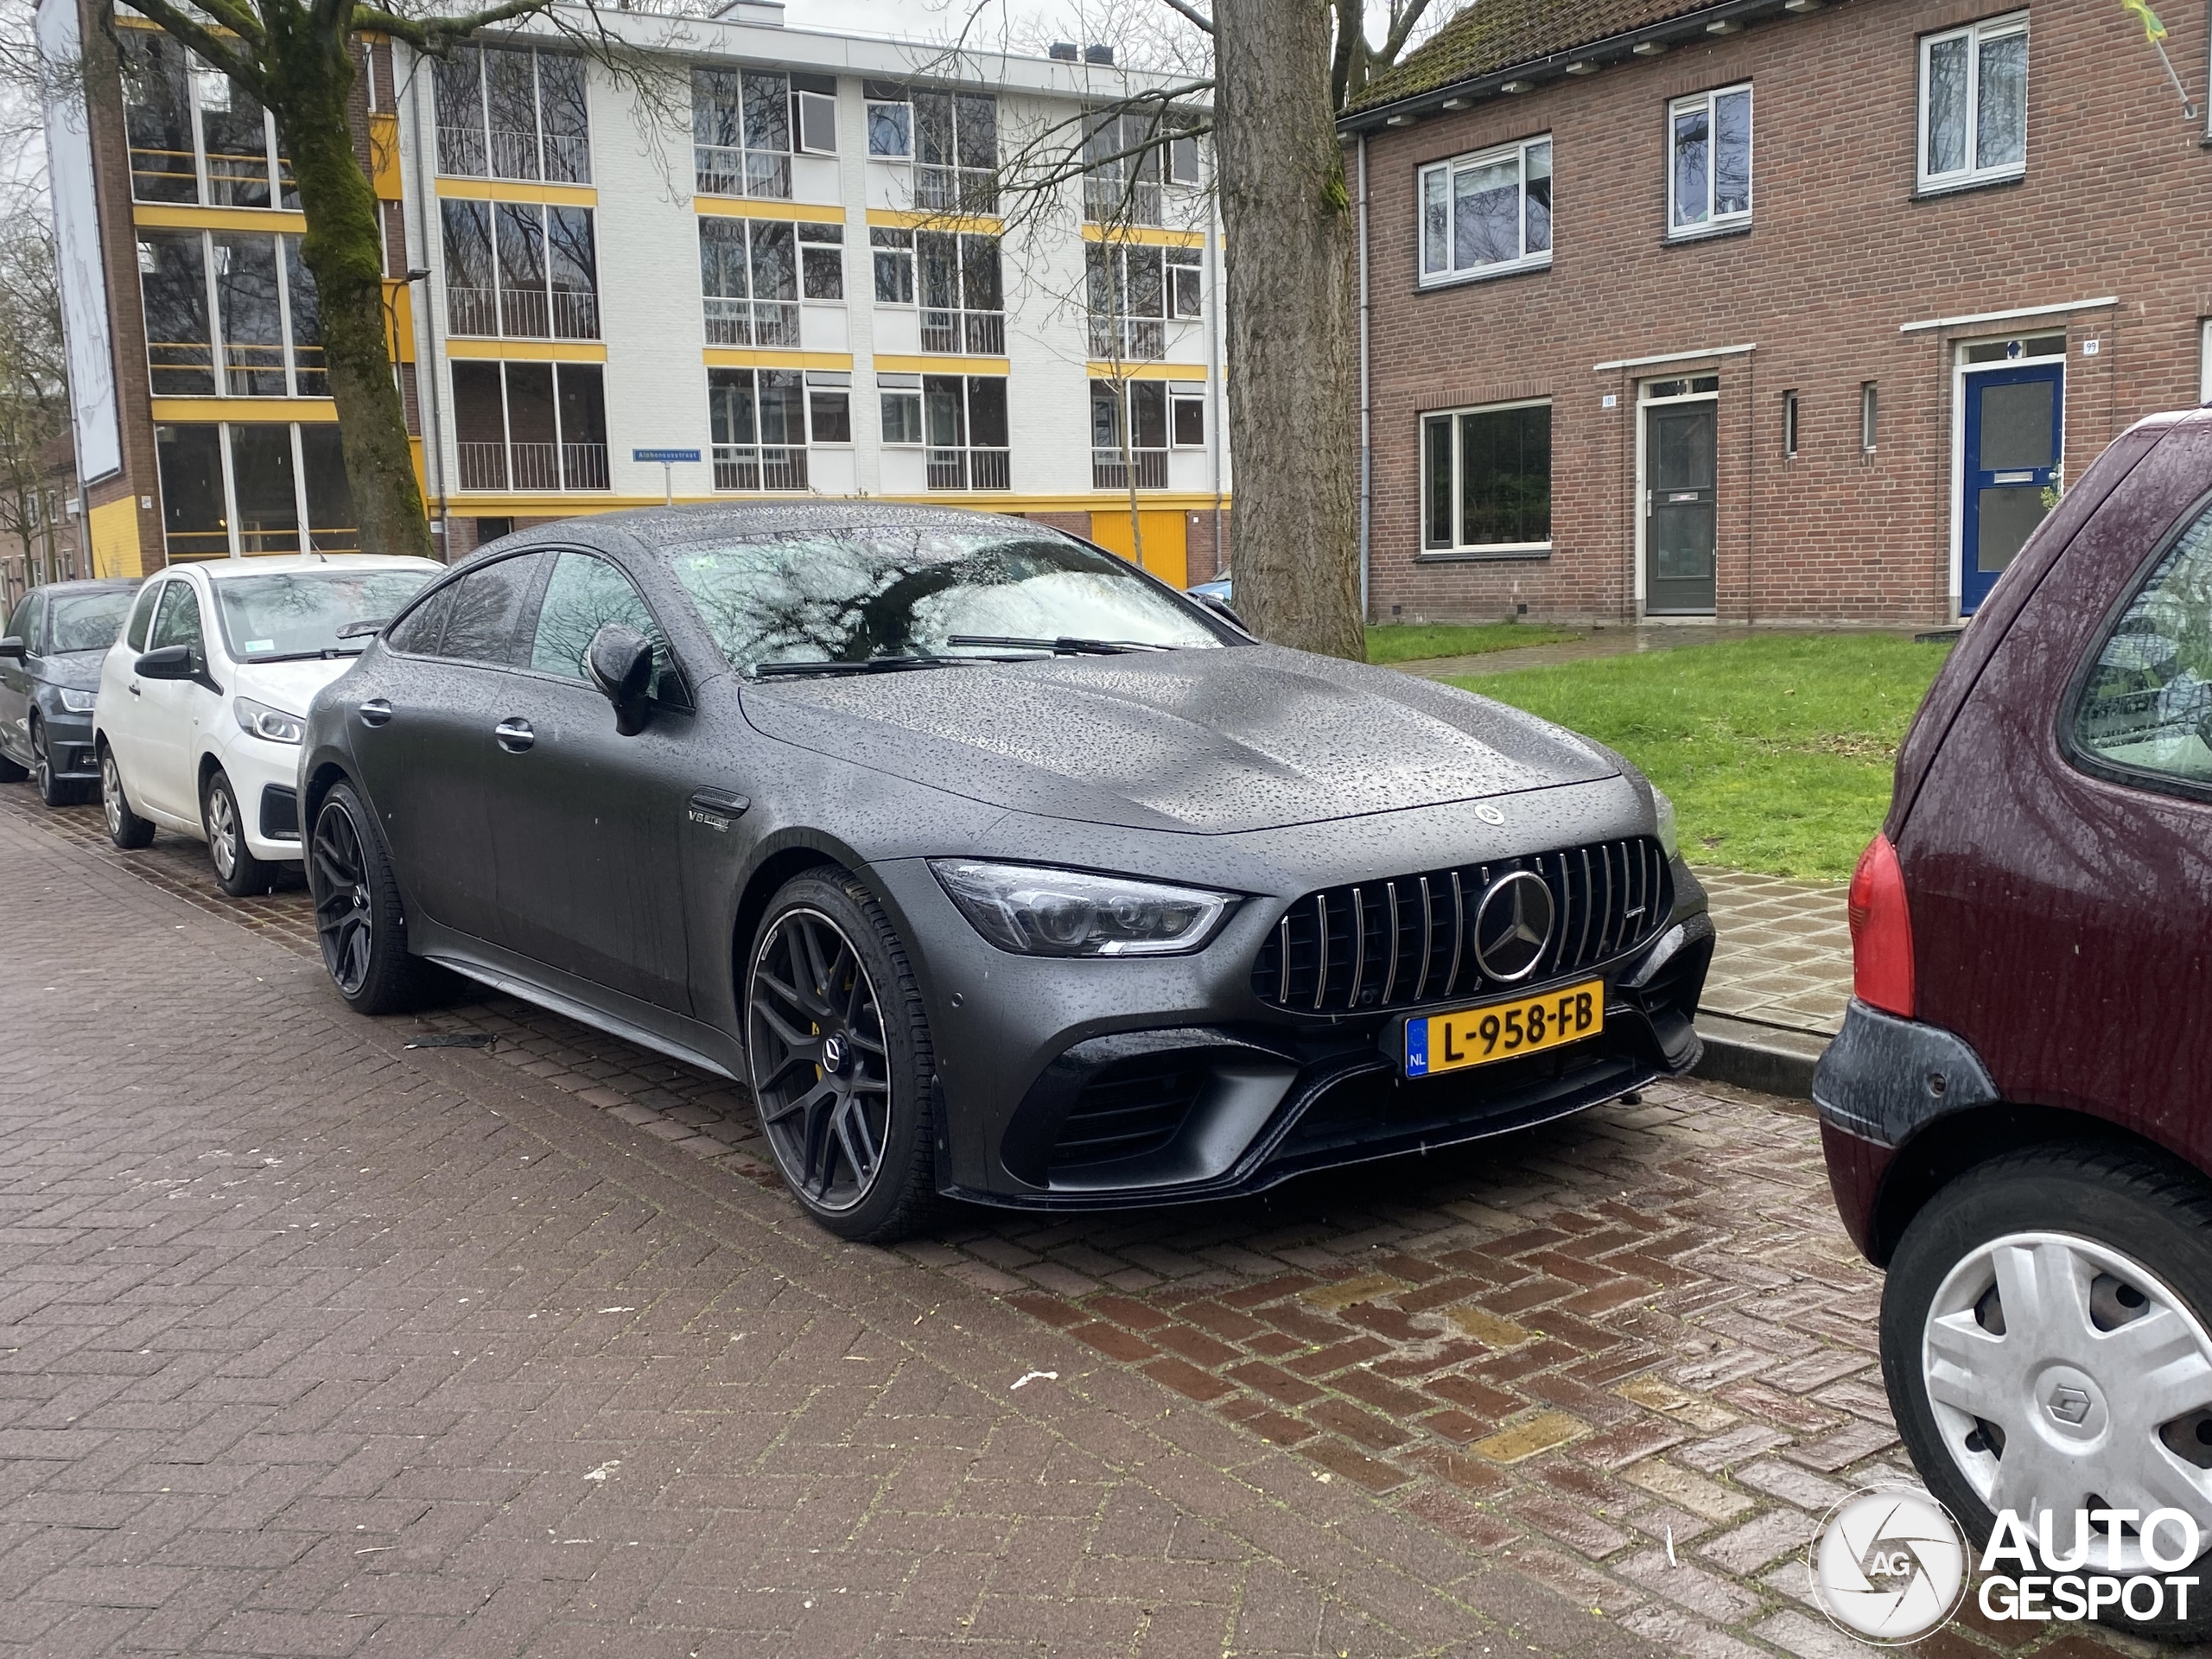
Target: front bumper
[[264, 777], [1096, 1084], [69, 745]]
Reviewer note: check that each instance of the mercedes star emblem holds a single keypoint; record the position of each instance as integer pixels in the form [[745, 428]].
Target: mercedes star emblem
[[1513, 923], [833, 1054]]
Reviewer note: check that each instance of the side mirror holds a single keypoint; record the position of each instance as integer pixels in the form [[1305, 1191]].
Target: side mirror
[[170, 663], [1220, 608], [12, 646], [621, 661]]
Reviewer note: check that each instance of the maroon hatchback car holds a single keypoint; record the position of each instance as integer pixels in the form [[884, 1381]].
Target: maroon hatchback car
[[2017, 1112]]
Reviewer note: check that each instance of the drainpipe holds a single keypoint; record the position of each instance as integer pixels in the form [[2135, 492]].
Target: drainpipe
[[1216, 434], [1366, 428], [426, 386]]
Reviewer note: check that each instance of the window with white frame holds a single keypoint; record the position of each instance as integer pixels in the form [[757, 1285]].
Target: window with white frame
[[1135, 290], [254, 487], [1709, 162], [512, 112], [195, 134], [520, 269], [1488, 213], [764, 419], [902, 410], [890, 121], [1974, 103], [742, 132], [893, 252], [1486, 480], [754, 272]]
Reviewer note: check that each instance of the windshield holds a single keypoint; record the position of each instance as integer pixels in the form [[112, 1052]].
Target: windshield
[[85, 621], [869, 593], [299, 612]]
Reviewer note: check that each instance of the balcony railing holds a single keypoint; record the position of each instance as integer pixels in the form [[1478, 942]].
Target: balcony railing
[[1128, 340], [472, 311], [969, 469], [461, 152], [753, 466], [514, 153], [532, 465], [568, 157], [957, 189], [751, 322], [523, 312], [728, 170], [976, 333], [1107, 471], [1113, 202]]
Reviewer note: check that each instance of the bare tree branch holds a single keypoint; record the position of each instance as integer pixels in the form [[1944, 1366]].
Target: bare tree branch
[[438, 35], [1189, 14], [212, 47]]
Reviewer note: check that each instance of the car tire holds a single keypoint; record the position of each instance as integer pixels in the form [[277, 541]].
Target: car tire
[[359, 923], [51, 790], [124, 828], [841, 1069], [237, 872], [2133, 1235]]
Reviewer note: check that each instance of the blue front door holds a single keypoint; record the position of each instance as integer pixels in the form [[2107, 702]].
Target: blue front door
[[2015, 426]]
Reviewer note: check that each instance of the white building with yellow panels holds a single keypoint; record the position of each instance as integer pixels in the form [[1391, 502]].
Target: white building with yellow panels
[[782, 255]]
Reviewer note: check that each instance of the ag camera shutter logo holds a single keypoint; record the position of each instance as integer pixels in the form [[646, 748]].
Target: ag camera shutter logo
[[1890, 1566]]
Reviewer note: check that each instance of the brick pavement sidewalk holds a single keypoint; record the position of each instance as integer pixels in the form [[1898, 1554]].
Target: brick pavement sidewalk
[[1598, 1380], [1785, 954]]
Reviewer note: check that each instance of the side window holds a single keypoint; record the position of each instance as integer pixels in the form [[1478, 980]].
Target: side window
[[2146, 708], [142, 614], [417, 631], [584, 595], [486, 607], [179, 622], [25, 622]]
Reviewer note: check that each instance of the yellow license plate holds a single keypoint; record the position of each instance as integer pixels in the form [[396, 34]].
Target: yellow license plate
[[1499, 1031]]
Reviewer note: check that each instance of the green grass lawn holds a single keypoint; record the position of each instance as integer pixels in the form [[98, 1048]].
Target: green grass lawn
[[1414, 641], [1778, 752]]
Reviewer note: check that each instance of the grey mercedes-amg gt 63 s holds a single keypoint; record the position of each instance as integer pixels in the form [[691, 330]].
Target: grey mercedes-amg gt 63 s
[[996, 868]]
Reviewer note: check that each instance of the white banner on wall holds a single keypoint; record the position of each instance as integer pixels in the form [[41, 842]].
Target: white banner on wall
[[77, 234]]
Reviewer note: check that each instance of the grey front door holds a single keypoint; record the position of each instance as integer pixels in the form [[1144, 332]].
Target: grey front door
[[1680, 513]]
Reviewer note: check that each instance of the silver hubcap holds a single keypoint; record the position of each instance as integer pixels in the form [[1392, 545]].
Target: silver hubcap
[[111, 795], [2063, 1375], [222, 831]]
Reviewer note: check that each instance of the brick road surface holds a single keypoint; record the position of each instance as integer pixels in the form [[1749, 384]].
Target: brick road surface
[[314, 1342]]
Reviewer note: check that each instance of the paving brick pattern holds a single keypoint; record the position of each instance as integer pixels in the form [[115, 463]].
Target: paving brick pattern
[[1784, 956], [1584, 1390]]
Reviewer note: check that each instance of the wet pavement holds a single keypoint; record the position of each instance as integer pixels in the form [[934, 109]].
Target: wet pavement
[[312, 1341]]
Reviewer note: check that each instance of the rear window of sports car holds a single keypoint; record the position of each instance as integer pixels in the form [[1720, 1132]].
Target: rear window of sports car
[[852, 595]]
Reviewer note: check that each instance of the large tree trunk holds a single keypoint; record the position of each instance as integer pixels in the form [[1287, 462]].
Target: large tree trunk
[[1287, 221], [343, 247]]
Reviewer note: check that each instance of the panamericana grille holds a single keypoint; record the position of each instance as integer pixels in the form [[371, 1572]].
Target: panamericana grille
[[1410, 939]]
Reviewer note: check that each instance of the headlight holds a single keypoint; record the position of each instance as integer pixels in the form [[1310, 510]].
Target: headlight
[[77, 703], [273, 724], [1669, 836], [1043, 912]]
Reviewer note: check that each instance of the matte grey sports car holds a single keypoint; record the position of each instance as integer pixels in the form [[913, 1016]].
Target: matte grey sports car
[[996, 868]]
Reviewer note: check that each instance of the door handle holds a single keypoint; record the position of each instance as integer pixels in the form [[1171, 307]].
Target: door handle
[[375, 712], [134, 688], [514, 735]]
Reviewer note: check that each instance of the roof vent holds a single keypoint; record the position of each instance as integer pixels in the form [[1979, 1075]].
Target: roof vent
[[1099, 54], [1063, 51]]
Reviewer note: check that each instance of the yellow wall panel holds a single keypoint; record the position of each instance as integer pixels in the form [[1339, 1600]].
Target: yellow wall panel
[[1167, 554], [116, 551]]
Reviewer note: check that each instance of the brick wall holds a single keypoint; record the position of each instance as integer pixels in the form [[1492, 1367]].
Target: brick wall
[[2117, 200]]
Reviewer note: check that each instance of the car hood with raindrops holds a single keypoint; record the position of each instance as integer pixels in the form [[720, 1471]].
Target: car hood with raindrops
[[1215, 742]]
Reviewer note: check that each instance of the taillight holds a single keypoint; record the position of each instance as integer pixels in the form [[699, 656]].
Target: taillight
[[1881, 932]]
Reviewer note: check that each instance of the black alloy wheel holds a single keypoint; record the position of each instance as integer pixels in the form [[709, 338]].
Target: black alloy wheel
[[50, 791], [840, 1059], [358, 920], [124, 828]]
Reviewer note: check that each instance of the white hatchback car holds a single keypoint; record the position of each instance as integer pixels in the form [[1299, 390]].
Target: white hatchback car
[[203, 699]]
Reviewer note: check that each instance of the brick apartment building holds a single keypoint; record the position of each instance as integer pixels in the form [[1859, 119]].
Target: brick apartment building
[[1766, 310]]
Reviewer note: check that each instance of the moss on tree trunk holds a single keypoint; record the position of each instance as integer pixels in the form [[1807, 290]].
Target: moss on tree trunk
[[344, 247]]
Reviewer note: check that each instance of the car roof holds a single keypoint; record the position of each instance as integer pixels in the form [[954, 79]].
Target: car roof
[[656, 527], [263, 564], [89, 585]]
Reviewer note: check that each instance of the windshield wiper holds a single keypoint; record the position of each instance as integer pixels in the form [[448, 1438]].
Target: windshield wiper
[[1064, 645], [865, 666], [321, 652], [355, 630]]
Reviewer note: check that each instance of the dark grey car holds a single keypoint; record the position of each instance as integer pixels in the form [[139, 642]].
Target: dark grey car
[[49, 668], [997, 868]]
